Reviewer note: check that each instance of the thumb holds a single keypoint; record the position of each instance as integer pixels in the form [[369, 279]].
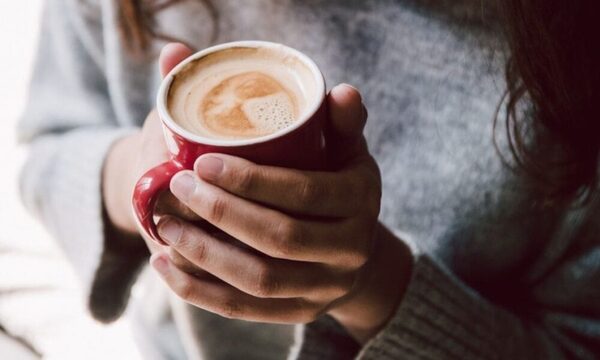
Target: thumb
[[171, 55], [347, 119]]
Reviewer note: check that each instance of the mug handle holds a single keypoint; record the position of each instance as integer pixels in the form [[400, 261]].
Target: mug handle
[[145, 195]]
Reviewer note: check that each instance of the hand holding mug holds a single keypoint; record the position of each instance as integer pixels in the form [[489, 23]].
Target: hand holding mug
[[311, 235]]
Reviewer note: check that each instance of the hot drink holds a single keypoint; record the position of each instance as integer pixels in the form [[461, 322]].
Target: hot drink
[[239, 93]]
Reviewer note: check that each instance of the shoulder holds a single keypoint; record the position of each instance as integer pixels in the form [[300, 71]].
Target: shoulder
[[81, 19]]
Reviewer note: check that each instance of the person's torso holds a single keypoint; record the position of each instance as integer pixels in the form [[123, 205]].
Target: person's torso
[[431, 75], [431, 82]]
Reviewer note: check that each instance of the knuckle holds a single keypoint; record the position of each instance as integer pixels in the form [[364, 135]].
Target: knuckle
[[193, 245], [178, 260], [358, 257], [307, 316], [266, 282], [365, 248], [343, 285], [359, 234], [246, 180], [288, 237], [310, 192], [358, 260], [184, 290], [306, 313], [361, 257], [199, 249], [216, 208], [230, 309], [349, 282]]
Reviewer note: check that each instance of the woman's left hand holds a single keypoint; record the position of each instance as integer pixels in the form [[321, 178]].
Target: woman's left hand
[[315, 244]]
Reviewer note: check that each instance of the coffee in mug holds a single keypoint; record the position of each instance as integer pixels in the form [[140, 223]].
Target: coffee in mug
[[241, 92]]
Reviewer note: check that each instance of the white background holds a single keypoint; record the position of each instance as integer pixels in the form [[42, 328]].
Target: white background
[[54, 319], [18, 34]]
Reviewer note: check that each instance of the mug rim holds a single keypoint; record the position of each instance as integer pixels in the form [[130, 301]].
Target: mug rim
[[165, 86]]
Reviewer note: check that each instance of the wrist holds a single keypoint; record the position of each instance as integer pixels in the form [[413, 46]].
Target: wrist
[[380, 289], [118, 181]]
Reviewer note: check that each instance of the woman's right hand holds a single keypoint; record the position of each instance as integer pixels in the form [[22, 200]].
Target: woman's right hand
[[132, 156]]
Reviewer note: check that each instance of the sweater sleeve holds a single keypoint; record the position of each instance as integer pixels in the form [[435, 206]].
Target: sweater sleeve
[[440, 317], [69, 126]]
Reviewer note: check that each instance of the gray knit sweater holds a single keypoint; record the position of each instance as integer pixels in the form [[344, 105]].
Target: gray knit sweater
[[497, 275]]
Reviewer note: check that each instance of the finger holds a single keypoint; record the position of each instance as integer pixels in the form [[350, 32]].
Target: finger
[[152, 244], [184, 264], [270, 231], [256, 275], [332, 194], [168, 204], [171, 55], [227, 301], [346, 112], [348, 117]]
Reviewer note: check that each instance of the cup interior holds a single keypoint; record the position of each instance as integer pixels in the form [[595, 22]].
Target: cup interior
[[311, 108]]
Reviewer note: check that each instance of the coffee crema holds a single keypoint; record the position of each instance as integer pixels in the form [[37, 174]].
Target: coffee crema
[[240, 93]]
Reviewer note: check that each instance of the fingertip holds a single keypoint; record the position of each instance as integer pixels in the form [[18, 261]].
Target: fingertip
[[172, 46], [171, 55], [347, 111], [160, 262], [209, 166], [183, 184], [346, 93]]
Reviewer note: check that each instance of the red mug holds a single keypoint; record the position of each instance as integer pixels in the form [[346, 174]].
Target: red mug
[[300, 145]]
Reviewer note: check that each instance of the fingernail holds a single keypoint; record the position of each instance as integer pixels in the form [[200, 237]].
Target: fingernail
[[170, 230], [344, 90], [183, 185], [351, 86], [159, 262], [209, 167]]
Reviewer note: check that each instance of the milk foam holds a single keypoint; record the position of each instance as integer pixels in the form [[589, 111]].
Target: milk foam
[[270, 113], [242, 93]]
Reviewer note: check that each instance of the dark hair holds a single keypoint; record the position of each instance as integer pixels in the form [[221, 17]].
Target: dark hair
[[553, 71], [137, 23]]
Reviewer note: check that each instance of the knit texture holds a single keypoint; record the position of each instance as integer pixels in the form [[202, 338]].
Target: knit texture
[[497, 274]]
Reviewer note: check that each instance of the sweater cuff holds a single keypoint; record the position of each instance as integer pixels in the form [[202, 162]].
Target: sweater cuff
[[438, 318], [324, 338], [122, 260], [63, 183]]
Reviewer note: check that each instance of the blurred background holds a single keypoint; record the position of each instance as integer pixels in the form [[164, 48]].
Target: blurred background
[[41, 307]]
